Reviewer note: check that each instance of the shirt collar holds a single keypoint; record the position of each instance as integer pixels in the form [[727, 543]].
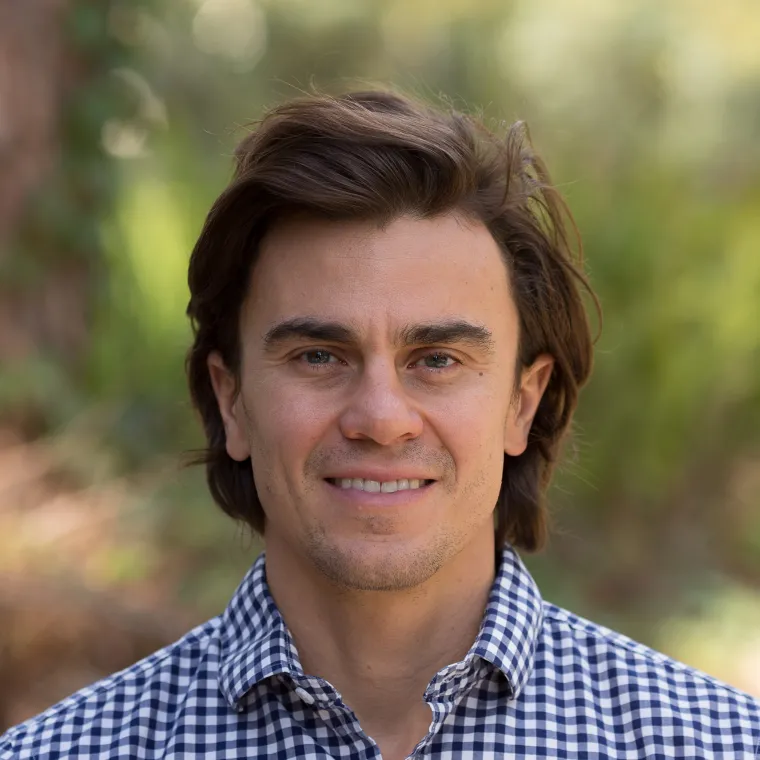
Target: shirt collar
[[254, 640], [512, 623], [256, 644]]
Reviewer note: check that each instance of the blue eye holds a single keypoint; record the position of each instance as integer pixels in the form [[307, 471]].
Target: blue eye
[[438, 360], [317, 357]]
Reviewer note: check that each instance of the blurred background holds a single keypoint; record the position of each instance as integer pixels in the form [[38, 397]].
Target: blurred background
[[117, 123]]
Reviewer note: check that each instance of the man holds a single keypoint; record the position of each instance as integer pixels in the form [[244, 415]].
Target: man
[[389, 342]]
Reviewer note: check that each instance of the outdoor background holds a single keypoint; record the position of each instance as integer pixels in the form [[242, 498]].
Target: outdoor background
[[117, 122]]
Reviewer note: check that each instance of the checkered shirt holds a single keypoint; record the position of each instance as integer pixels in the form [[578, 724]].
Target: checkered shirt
[[538, 682]]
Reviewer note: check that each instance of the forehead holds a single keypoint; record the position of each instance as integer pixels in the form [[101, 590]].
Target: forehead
[[371, 277]]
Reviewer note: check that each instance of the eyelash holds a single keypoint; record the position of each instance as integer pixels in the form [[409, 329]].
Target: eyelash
[[442, 354]]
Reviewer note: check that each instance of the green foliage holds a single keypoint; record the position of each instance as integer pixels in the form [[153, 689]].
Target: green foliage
[[664, 185]]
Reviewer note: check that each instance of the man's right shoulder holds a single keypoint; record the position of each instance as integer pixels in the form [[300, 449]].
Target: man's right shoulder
[[77, 725]]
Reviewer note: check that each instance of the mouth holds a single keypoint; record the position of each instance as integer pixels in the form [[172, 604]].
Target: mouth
[[377, 486]]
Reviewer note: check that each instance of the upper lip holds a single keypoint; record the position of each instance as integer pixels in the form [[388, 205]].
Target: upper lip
[[381, 476]]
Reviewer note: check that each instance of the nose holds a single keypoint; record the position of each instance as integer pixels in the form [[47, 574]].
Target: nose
[[380, 408]]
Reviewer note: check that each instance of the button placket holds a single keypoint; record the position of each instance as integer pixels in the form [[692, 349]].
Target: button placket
[[304, 696], [314, 691], [440, 711]]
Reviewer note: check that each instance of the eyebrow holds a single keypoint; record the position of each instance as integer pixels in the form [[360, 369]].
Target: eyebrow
[[448, 332], [308, 328]]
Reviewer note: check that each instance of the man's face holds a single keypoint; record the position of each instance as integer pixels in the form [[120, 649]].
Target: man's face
[[376, 394]]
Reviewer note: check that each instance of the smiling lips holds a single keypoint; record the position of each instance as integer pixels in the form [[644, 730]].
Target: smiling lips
[[376, 486]]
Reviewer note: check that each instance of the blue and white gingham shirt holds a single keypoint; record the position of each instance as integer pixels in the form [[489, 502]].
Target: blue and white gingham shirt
[[538, 682]]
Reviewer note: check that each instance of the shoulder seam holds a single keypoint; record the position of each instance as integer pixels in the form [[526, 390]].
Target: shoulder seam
[[106, 683], [588, 628]]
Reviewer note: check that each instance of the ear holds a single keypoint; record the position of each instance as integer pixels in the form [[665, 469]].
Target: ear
[[533, 382], [230, 407]]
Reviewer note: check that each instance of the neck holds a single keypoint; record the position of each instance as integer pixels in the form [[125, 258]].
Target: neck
[[380, 649]]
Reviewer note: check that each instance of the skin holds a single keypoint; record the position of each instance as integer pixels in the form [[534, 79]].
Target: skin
[[380, 591]]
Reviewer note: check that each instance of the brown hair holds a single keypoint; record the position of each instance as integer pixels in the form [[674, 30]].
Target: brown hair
[[374, 156]]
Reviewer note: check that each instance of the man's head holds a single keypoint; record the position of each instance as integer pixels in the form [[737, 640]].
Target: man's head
[[385, 293]]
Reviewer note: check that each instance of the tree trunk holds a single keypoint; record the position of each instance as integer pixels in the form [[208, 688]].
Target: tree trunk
[[44, 284]]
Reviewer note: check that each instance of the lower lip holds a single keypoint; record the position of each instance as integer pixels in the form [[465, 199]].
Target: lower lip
[[357, 498]]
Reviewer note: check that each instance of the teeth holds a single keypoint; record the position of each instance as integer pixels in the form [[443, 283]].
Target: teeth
[[375, 486]]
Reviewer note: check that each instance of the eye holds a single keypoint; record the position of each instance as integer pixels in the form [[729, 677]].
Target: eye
[[437, 361], [317, 357]]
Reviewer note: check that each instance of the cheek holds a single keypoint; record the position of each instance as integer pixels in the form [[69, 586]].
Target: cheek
[[284, 425], [283, 429], [473, 432]]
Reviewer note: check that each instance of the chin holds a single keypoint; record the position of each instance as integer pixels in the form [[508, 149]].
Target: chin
[[379, 566]]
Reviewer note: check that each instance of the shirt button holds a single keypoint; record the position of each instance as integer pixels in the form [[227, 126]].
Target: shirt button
[[305, 696]]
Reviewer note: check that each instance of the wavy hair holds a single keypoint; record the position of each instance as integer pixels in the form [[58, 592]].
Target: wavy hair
[[376, 155]]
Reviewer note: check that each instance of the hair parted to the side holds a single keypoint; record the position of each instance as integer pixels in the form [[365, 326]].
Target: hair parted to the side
[[377, 155]]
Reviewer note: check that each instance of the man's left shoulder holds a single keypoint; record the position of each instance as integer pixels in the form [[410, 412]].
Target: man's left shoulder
[[637, 685]]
